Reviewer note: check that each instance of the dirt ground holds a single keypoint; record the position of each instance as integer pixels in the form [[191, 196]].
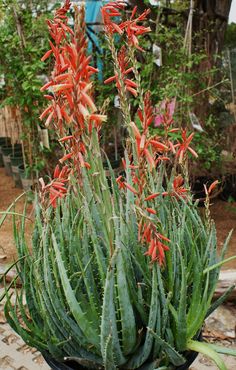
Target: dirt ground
[[8, 193], [223, 213]]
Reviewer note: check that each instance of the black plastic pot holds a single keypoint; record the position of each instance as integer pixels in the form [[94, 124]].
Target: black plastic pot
[[56, 365], [16, 160], [73, 365], [198, 190], [7, 150], [4, 141], [229, 187], [190, 357]]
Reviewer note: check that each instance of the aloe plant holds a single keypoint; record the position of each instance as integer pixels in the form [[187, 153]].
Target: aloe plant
[[121, 272], [98, 299]]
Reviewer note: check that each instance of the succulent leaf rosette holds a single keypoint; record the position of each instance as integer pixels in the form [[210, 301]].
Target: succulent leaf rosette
[[122, 271]]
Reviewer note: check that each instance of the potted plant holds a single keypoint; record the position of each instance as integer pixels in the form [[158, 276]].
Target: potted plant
[[119, 276]]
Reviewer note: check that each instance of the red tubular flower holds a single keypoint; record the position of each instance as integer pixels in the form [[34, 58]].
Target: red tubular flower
[[156, 248], [212, 187], [184, 146], [147, 148], [66, 138], [146, 117], [152, 196], [178, 186], [46, 55], [133, 29], [120, 182], [66, 157], [110, 10], [133, 190], [152, 211], [131, 26], [46, 112], [46, 86], [56, 188]]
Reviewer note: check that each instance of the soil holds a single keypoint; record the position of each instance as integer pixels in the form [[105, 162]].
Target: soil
[[8, 193], [223, 213]]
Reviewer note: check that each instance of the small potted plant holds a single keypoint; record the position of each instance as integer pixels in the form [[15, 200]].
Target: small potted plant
[[121, 274]]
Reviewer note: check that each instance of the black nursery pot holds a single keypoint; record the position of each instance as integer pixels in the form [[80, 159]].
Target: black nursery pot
[[16, 160], [4, 141], [72, 365], [190, 357], [7, 150], [229, 187], [197, 187], [69, 365]]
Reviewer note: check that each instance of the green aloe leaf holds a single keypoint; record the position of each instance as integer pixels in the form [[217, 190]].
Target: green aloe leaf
[[143, 352], [74, 305], [181, 325], [176, 358], [109, 362], [12, 205], [207, 350], [220, 300], [223, 350], [109, 320], [128, 323]]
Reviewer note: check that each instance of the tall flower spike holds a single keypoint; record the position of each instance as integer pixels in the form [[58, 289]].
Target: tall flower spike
[[71, 108]]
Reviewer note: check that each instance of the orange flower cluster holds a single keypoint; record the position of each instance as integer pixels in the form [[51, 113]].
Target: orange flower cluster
[[184, 146], [56, 188], [131, 27], [149, 235], [147, 147], [71, 108]]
